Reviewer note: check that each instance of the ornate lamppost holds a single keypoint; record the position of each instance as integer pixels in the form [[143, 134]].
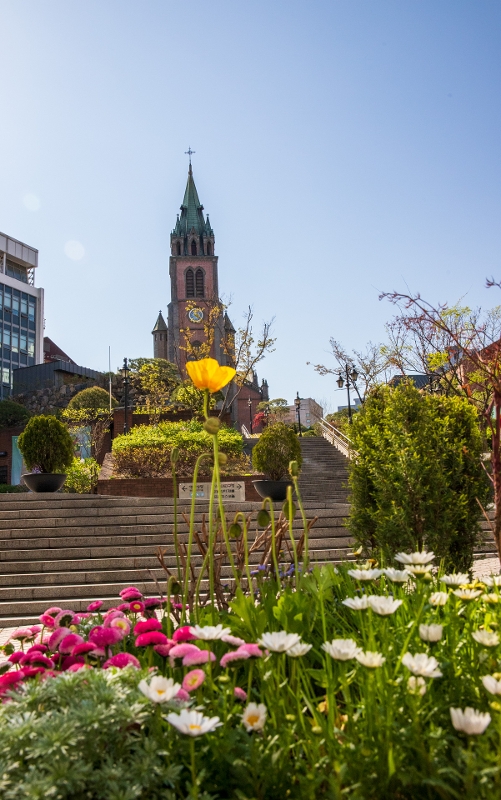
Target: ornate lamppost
[[124, 372], [351, 379], [249, 403], [297, 403]]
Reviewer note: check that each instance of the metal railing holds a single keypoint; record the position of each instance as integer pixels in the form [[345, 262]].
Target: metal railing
[[245, 432], [336, 438]]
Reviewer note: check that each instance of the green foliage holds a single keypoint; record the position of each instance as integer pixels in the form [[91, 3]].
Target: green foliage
[[278, 445], [7, 488], [13, 415], [46, 445], [82, 476], [275, 410], [146, 450], [188, 396], [92, 399], [418, 474]]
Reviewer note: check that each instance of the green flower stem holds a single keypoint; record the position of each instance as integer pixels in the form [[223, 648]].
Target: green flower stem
[[190, 536], [306, 552], [291, 534], [174, 532], [240, 515], [212, 536], [194, 782], [222, 515]]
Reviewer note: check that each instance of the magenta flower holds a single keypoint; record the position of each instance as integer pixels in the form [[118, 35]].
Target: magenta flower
[[152, 624], [83, 648], [122, 607], [151, 637], [16, 657], [57, 637], [69, 642], [130, 593], [122, 624], [192, 680], [111, 615], [122, 660], [53, 610], [252, 649], [164, 649], [235, 655], [183, 634], [95, 605], [30, 672], [78, 666], [152, 602], [21, 634], [10, 680], [233, 640], [182, 650], [136, 606], [240, 694], [37, 659], [64, 618], [182, 695], [47, 620], [35, 629], [193, 659], [104, 637], [34, 647], [70, 661]]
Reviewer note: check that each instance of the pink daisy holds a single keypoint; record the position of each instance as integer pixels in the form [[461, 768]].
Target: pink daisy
[[152, 624], [95, 605], [193, 659], [122, 660], [164, 649], [235, 655], [192, 680], [57, 637], [67, 644], [47, 620], [240, 694], [130, 593], [103, 637], [183, 634], [151, 637]]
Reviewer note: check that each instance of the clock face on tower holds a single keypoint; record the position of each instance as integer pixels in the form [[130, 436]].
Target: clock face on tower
[[195, 315]]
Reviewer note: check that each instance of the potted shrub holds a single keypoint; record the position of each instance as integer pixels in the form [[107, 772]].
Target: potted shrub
[[47, 449], [278, 445]]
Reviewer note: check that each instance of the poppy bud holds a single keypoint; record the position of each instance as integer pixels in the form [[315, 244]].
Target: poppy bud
[[212, 425]]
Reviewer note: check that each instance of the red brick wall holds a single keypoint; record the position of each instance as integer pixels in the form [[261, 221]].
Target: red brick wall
[[162, 487]]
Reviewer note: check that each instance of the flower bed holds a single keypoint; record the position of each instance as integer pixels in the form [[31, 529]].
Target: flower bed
[[365, 683]]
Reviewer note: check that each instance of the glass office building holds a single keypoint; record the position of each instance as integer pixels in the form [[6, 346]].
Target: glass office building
[[21, 310]]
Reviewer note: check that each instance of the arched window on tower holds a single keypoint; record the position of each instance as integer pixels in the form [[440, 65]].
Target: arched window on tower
[[193, 248], [200, 283], [190, 283], [178, 248], [209, 249]]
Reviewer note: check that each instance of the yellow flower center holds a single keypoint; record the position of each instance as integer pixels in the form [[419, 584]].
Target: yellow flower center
[[252, 719], [194, 727]]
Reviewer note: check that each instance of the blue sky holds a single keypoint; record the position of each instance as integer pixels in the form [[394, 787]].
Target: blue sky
[[342, 148]]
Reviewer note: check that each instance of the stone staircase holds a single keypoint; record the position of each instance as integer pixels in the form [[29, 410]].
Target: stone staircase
[[324, 474], [68, 550]]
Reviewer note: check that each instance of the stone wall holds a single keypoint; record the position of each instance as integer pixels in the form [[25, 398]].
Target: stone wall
[[51, 399]]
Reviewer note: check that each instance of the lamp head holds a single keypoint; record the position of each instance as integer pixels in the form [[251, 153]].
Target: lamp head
[[340, 382]]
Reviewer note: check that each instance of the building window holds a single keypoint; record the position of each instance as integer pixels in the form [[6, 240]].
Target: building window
[[8, 297], [190, 283], [24, 342], [24, 304], [15, 342], [178, 248], [31, 310], [193, 248], [200, 283], [31, 344], [6, 376], [6, 337], [209, 249], [17, 271]]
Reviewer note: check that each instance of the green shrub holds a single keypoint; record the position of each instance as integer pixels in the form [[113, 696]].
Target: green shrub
[[278, 445], [13, 415], [46, 445], [418, 474], [145, 451], [82, 476], [92, 399], [7, 488]]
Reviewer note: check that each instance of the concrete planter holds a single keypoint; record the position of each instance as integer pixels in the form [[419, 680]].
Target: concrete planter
[[44, 481]]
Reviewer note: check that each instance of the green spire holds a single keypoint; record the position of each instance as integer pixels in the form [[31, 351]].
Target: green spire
[[192, 212]]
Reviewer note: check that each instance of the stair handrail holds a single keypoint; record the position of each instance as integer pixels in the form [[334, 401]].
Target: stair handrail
[[337, 438], [245, 432]]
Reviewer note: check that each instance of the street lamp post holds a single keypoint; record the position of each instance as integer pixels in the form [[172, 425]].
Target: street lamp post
[[297, 403], [249, 403], [351, 379], [125, 375]]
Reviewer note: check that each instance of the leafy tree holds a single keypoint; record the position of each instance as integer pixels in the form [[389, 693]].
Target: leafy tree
[[92, 399], [417, 478], [13, 414], [46, 445], [372, 365], [278, 445], [271, 411], [158, 380]]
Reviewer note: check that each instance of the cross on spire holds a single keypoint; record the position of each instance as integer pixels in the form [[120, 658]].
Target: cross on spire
[[189, 152]]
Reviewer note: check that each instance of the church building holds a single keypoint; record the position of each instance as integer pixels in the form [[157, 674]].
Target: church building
[[195, 312]]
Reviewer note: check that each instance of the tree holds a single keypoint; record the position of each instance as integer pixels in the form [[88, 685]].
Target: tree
[[468, 364], [271, 411], [92, 399], [417, 477], [372, 365], [90, 408], [158, 379], [13, 414]]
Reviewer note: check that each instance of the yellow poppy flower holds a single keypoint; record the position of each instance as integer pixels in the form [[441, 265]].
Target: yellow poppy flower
[[208, 374]]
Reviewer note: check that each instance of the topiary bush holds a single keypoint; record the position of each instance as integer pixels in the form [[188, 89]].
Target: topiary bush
[[417, 477], [145, 452], [93, 399], [278, 445], [82, 475], [46, 445], [13, 415]]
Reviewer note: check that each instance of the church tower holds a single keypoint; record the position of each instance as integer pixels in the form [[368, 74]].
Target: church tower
[[159, 333], [193, 278]]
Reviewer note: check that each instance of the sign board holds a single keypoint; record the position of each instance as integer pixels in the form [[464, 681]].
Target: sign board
[[230, 490]]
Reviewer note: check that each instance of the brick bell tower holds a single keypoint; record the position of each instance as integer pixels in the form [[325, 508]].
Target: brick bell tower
[[193, 277]]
